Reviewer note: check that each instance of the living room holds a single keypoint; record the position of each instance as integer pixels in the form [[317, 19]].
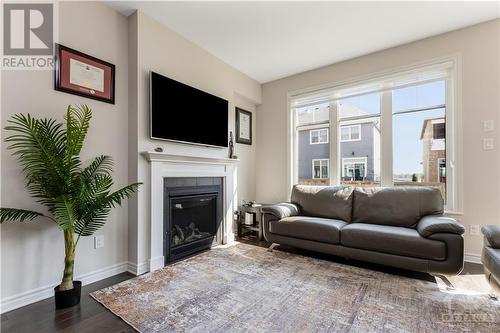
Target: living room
[[250, 166]]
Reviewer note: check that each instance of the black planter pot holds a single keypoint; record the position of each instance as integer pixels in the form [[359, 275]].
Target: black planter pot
[[68, 298]]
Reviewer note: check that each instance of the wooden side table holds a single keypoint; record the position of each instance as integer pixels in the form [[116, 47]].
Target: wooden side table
[[256, 227]]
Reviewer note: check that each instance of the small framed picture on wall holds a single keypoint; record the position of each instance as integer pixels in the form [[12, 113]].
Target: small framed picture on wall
[[243, 126], [83, 75]]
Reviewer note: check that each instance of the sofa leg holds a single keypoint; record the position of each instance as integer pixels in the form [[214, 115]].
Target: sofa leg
[[272, 246], [447, 282]]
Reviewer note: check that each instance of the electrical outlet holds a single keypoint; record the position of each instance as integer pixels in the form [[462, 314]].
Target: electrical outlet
[[475, 229], [98, 241], [488, 144]]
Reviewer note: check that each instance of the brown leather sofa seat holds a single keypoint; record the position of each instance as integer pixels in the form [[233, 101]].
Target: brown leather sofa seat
[[395, 240], [310, 228]]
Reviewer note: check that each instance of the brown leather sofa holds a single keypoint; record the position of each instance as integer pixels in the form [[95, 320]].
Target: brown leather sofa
[[491, 255], [399, 226]]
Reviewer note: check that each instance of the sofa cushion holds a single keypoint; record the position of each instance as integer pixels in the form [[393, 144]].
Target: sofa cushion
[[310, 228], [491, 261], [396, 206], [394, 240], [436, 224], [334, 202], [491, 235], [281, 210]]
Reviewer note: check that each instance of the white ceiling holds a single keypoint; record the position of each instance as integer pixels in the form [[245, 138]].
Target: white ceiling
[[271, 40]]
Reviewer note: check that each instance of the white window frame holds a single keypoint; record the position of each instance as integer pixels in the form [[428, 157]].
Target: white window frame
[[319, 130], [350, 127], [452, 64], [355, 160], [320, 160]]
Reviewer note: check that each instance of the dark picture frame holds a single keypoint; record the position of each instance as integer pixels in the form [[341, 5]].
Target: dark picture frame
[[65, 82], [239, 113]]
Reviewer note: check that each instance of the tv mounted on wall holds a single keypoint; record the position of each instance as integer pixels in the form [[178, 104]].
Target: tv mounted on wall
[[185, 114]]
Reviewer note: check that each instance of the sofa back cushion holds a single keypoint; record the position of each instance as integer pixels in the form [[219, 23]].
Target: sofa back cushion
[[401, 206], [334, 202]]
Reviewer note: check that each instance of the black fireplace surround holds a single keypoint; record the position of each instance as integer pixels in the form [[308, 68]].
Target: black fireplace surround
[[192, 216]]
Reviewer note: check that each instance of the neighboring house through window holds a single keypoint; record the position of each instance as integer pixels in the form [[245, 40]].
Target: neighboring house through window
[[320, 168], [350, 133], [354, 168], [439, 129], [318, 136], [433, 137], [442, 170], [404, 117]]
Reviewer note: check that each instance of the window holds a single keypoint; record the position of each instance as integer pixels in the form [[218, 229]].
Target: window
[[350, 133], [438, 130], [320, 169], [318, 136], [419, 131], [359, 123], [312, 143], [403, 117]]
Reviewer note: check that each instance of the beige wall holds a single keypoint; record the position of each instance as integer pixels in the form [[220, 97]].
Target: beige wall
[[479, 49], [33, 253], [162, 50]]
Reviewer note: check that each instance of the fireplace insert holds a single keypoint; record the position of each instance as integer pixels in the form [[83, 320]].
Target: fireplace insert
[[192, 217]]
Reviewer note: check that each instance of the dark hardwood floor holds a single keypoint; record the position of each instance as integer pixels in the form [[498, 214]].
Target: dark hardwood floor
[[91, 316]]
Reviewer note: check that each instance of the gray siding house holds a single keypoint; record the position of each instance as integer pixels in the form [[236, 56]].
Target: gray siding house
[[359, 146]]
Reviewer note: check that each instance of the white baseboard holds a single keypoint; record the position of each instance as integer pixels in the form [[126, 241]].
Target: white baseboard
[[156, 263], [137, 269], [473, 257], [38, 294]]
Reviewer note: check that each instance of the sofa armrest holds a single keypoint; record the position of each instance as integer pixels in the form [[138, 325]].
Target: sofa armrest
[[281, 210], [492, 235], [434, 224]]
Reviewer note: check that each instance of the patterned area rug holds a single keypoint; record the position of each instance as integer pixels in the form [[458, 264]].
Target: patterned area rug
[[245, 288]]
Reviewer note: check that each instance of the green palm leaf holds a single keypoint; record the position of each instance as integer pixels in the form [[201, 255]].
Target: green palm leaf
[[14, 214], [38, 145], [64, 213], [77, 126], [116, 198], [101, 165], [78, 200], [93, 215]]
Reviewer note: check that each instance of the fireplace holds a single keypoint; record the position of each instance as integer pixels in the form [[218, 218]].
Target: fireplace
[[192, 216]]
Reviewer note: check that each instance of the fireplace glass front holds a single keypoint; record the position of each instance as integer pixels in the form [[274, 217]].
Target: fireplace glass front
[[193, 219]]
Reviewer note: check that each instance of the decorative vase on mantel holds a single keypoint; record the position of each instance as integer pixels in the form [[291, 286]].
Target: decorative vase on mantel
[[231, 145]]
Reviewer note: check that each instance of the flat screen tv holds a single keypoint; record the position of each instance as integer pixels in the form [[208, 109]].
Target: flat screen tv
[[185, 114]]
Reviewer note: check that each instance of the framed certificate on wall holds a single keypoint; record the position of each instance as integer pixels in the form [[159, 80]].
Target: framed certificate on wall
[[243, 126], [81, 74]]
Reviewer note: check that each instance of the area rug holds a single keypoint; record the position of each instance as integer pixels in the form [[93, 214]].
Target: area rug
[[245, 288]]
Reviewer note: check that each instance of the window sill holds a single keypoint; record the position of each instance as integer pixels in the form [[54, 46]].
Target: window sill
[[453, 213]]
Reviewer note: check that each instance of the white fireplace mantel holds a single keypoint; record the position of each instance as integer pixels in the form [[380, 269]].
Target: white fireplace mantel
[[153, 156], [165, 165]]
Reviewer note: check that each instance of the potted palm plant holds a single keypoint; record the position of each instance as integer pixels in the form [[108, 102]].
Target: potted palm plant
[[78, 199]]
